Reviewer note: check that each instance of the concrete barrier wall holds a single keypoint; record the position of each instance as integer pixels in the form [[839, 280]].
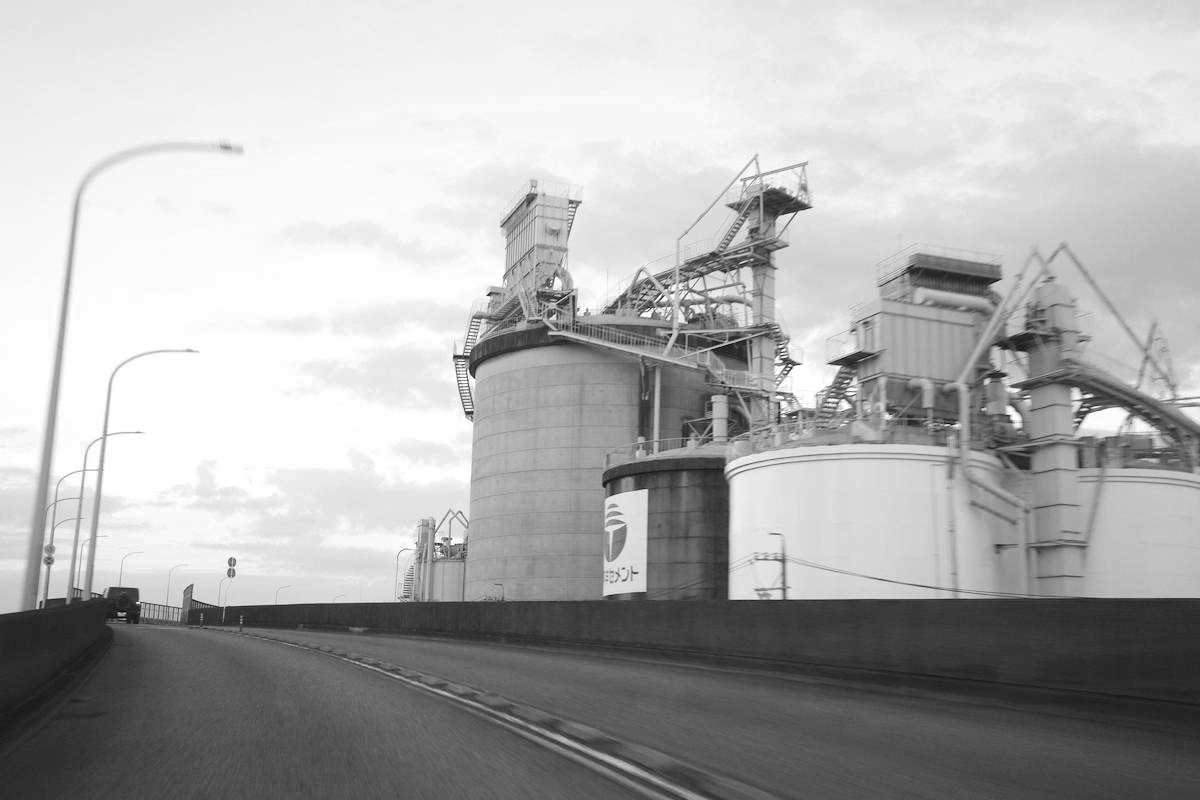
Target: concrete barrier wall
[[37, 646], [1135, 648]]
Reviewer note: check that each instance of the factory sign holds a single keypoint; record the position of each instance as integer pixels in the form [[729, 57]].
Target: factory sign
[[625, 526]]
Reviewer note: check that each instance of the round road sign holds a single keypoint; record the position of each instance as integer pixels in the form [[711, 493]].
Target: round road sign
[[232, 561], [49, 549], [231, 572], [48, 560]]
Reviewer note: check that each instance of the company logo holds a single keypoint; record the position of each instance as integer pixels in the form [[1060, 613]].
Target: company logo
[[615, 531]]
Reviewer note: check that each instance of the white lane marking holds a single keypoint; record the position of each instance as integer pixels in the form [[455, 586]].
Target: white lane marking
[[623, 772]]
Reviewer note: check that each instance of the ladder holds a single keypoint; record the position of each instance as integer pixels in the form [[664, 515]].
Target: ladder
[[833, 395]]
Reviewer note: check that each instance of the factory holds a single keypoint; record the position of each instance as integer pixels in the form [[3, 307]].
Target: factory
[[651, 449]]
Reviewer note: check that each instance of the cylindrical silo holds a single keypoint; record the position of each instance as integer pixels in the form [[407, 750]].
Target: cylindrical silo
[[686, 555], [547, 410]]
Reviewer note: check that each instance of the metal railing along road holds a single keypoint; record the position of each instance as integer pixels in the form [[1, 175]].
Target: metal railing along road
[[157, 614]]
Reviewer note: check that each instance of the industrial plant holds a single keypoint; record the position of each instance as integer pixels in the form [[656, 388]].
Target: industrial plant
[[651, 449]]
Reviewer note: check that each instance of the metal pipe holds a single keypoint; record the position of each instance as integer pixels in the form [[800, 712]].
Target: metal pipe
[[657, 413], [938, 297], [33, 561]]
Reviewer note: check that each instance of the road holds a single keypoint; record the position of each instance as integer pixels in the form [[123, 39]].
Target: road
[[177, 712]]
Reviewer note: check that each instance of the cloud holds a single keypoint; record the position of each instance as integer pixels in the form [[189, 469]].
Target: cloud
[[379, 320], [422, 451], [364, 233], [382, 319], [321, 516], [396, 377], [296, 325]]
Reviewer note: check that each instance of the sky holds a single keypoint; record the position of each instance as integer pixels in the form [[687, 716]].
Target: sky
[[325, 275]]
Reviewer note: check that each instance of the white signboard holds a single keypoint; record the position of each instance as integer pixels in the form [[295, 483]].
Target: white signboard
[[625, 526]]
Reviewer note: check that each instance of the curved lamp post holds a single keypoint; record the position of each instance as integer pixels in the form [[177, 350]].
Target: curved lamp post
[[82, 485], [103, 449], [46, 591], [49, 550], [29, 594], [172, 569], [121, 574], [76, 576], [280, 589]]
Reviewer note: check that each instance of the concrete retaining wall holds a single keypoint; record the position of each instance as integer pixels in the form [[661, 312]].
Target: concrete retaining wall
[[37, 647], [1134, 648]]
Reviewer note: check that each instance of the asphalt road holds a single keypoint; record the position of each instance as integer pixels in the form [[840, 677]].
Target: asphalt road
[[184, 713], [202, 713]]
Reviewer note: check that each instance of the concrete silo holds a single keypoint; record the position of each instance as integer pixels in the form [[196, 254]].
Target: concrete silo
[[553, 393]]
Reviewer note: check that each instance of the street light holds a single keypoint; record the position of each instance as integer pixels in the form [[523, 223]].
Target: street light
[[396, 582], [172, 569], [782, 559], [50, 556], [121, 574], [103, 449], [82, 485], [32, 573], [280, 589], [220, 586], [49, 548], [57, 488], [75, 576]]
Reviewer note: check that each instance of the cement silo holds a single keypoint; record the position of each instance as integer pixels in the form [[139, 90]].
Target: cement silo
[[552, 392], [682, 525]]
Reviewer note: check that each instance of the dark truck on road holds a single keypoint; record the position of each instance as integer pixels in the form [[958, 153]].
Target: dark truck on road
[[123, 602]]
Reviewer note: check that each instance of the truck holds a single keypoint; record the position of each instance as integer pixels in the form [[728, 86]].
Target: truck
[[124, 603]]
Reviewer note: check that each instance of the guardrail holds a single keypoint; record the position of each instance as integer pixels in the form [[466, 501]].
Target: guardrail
[[157, 614]]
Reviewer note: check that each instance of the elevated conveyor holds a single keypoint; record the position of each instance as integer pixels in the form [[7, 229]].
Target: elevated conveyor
[[1103, 390]]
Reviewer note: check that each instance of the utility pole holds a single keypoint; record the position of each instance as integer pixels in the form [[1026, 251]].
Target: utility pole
[[782, 560]]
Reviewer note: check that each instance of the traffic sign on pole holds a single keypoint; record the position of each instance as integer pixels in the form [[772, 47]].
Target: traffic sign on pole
[[48, 560], [232, 561], [231, 572], [49, 549]]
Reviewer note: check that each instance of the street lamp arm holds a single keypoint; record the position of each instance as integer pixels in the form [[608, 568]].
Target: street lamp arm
[[149, 149]]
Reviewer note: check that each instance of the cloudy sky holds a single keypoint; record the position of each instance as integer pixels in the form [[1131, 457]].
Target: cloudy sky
[[326, 274]]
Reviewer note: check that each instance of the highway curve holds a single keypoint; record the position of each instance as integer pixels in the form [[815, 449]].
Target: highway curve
[[209, 713], [173, 712]]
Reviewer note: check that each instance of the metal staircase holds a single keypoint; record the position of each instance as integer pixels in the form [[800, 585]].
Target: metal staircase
[[572, 206], [462, 374], [735, 226], [833, 396], [783, 353]]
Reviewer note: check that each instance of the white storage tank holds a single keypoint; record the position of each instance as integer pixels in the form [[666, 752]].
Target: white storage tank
[[866, 521], [1145, 541]]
